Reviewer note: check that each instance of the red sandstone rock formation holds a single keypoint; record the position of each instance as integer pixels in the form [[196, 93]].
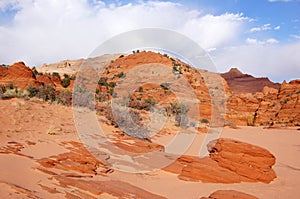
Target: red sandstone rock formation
[[230, 162], [229, 194], [18, 74], [271, 107], [246, 160], [244, 83]]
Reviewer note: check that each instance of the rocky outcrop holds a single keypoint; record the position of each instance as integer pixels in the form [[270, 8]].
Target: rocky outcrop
[[19, 75], [244, 159], [241, 108], [48, 80], [229, 161], [78, 159], [289, 98], [229, 194], [244, 83], [271, 107]]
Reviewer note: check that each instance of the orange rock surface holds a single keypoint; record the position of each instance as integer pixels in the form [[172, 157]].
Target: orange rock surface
[[230, 161], [229, 194]]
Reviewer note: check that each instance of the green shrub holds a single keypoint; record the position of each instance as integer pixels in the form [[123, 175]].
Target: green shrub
[[112, 84], [142, 105], [140, 89], [2, 89], [165, 86], [120, 75], [103, 81], [175, 108], [10, 85], [66, 81], [56, 74], [46, 93], [205, 121], [32, 91]]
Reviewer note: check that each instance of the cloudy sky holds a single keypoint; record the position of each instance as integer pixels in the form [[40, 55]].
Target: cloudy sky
[[260, 37]]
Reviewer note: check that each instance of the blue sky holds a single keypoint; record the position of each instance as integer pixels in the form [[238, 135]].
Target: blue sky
[[260, 37]]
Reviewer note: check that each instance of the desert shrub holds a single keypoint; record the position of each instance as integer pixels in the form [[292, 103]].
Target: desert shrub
[[64, 98], [11, 93], [73, 77], [180, 113], [111, 92], [120, 75], [165, 86], [129, 121], [175, 108], [141, 105], [66, 81], [83, 98], [181, 120], [2, 89], [10, 86], [103, 81], [32, 91], [204, 120], [140, 89], [46, 93], [112, 84], [56, 74], [101, 97]]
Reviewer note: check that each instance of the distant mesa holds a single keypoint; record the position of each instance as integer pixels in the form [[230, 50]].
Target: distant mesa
[[244, 83]]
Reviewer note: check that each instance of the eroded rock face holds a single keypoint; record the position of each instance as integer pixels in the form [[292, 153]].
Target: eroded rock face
[[18, 74], [271, 107], [230, 161], [49, 79], [229, 194], [78, 160], [244, 159]]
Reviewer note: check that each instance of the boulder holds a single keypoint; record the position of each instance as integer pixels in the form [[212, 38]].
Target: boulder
[[229, 161], [229, 194], [246, 160]]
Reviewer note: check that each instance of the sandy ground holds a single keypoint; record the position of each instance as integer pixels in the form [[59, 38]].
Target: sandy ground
[[40, 129]]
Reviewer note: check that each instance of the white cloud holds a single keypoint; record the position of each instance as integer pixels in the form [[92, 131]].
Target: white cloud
[[50, 31], [272, 41], [277, 28], [262, 28], [255, 29], [278, 62], [252, 41]]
